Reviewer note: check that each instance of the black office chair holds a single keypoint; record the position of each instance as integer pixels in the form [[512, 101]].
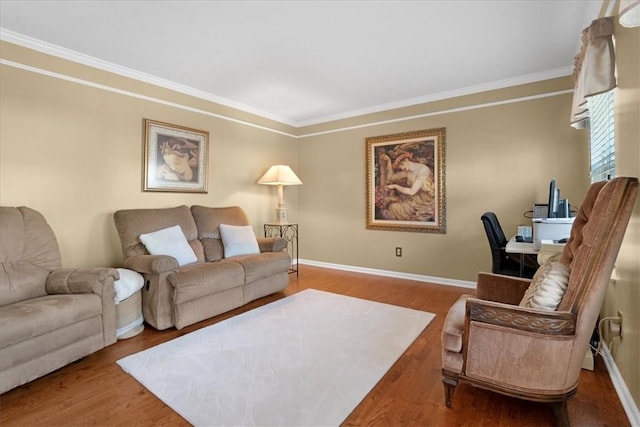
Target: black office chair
[[504, 263]]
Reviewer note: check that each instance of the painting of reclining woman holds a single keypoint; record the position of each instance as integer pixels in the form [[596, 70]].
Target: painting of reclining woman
[[405, 181], [175, 158]]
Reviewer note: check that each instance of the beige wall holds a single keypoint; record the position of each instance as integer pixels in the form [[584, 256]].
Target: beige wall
[[498, 158], [74, 153], [624, 292]]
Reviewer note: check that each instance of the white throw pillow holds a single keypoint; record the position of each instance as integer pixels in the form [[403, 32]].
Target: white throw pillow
[[547, 287], [238, 240], [169, 241]]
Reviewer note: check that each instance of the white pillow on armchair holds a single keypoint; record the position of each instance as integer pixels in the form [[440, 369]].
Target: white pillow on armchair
[[547, 287]]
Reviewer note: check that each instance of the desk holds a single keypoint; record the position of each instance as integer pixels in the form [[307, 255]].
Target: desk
[[521, 248], [547, 250]]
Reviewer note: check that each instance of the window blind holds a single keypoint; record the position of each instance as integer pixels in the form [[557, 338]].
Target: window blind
[[602, 136]]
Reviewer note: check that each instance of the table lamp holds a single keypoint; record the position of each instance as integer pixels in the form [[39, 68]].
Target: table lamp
[[280, 175], [629, 11]]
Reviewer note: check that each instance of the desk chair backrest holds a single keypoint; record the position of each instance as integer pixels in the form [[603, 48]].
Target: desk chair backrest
[[497, 240]]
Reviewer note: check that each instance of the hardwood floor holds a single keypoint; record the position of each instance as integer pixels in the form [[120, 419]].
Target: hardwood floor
[[95, 391]]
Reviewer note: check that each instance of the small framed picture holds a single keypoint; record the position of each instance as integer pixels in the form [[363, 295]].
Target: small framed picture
[[405, 181], [175, 158]]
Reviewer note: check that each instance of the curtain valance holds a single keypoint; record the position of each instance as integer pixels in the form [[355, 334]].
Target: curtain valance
[[594, 68]]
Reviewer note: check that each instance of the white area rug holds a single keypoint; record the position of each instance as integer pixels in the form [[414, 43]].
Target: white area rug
[[305, 360]]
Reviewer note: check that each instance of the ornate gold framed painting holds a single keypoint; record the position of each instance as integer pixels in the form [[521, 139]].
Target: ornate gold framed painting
[[175, 158], [405, 181]]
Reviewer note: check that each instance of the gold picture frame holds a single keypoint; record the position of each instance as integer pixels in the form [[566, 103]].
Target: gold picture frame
[[406, 181], [175, 158]]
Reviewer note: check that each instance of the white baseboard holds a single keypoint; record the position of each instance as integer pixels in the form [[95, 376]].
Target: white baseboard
[[388, 273], [629, 405]]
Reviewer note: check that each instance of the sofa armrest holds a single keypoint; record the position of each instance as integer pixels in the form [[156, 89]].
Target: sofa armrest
[[151, 264], [500, 288], [271, 244], [98, 281]]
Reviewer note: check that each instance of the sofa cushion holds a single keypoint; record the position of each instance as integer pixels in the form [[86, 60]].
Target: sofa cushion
[[197, 280], [38, 316], [238, 240], [213, 249], [263, 265], [169, 241], [547, 287]]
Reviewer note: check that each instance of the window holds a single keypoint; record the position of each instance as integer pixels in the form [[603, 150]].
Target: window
[[602, 136]]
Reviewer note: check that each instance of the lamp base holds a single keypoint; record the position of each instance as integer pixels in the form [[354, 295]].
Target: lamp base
[[281, 214]]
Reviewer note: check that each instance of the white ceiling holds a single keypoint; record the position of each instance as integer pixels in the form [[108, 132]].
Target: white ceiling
[[306, 62]]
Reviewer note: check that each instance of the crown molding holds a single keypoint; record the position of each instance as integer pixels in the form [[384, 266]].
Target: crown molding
[[470, 90], [71, 55], [137, 95]]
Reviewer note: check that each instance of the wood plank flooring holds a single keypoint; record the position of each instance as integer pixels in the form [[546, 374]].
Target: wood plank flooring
[[95, 391]]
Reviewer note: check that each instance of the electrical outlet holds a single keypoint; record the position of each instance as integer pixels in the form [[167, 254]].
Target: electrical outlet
[[620, 316], [398, 251]]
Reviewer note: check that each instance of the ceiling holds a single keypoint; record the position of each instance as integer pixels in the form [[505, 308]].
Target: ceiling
[[307, 62]]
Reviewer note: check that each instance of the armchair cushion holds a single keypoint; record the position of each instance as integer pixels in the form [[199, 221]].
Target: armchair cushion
[[547, 287], [169, 241], [38, 316], [238, 240]]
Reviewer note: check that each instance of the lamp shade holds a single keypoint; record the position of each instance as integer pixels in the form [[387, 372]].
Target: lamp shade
[[630, 13], [280, 175]]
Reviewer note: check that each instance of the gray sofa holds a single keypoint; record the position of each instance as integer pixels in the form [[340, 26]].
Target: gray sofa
[[179, 296], [49, 316]]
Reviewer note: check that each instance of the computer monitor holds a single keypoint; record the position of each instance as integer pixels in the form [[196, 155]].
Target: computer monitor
[[554, 200]]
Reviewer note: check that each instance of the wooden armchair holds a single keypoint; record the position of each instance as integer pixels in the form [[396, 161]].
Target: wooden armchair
[[491, 342]]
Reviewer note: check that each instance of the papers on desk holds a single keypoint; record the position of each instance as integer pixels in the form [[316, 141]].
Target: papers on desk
[[549, 250], [551, 246]]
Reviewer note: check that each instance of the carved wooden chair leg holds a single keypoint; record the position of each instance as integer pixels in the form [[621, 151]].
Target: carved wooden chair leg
[[561, 413], [449, 388]]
